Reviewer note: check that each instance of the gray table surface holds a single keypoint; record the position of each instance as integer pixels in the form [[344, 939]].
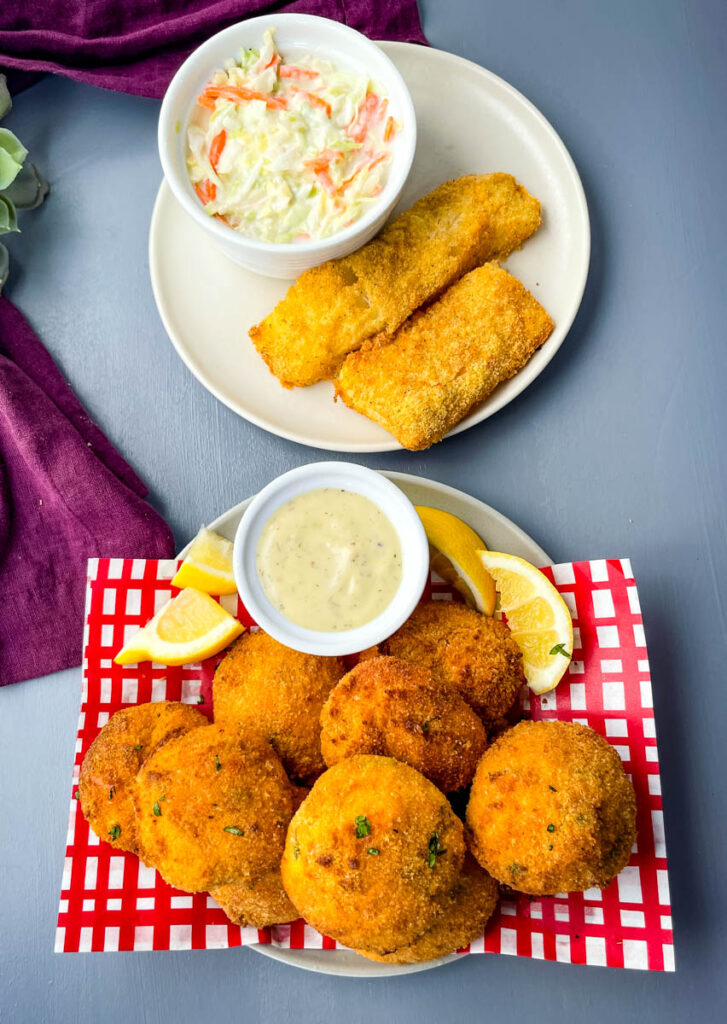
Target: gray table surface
[[616, 450]]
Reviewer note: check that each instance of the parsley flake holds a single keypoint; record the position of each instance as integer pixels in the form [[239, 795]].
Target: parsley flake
[[217, 763], [77, 795], [373, 851], [551, 828], [363, 826], [112, 792], [435, 850], [200, 699], [234, 830], [157, 809], [115, 832], [138, 746], [560, 649]]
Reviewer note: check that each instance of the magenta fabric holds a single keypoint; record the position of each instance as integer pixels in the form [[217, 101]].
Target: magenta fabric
[[66, 495], [135, 46]]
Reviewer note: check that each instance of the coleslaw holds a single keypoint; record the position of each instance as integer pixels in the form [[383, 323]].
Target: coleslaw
[[285, 152]]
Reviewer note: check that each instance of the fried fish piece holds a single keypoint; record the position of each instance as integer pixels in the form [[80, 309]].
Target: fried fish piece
[[468, 907], [422, 380], [400, 708], [112, 761], [372, 854], [212, 807], [332, 309], [551, 809]]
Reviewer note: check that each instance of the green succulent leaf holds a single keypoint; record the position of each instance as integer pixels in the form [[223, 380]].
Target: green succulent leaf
[[8, 218], [4, 266], [12, 155], [29, 188], [5, 101]]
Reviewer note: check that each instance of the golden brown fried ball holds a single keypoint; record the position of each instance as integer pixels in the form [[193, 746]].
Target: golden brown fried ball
[[279, 692], [116, 755], [257, 902], [372, 854], [396, 708], [467, 909], [473, 652], [551, 809], [212, 807], [260, 901]]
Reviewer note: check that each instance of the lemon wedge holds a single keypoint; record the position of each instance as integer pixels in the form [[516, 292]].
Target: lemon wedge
[[537, 615], [456, 558], [190, 627], [208, 566]]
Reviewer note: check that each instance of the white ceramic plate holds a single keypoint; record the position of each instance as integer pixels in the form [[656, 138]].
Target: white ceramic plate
[[500, 534], [469, 121]]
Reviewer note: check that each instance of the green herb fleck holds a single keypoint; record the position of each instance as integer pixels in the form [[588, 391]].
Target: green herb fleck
[[115, 832], [217, 763], [516, 869], [296, 851], [435, 850], [363, 826], [138, 746], [373, 851], [112, 792], [550, 846], [551, 828], [77, 795], [553, 789], [157, 809], [200, 699], [234, 830], [425, 726], [560, 649]]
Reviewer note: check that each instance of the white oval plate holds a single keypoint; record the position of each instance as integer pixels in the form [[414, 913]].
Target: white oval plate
[[500, 534], [469, 121]]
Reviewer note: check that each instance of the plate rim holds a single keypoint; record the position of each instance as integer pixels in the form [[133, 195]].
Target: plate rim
[[367, 968], [494, 402]]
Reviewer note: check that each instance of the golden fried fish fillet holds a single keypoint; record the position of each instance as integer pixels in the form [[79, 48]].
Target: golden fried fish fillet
[[332, 309], [468, 908], [421, 381], [112, 761]]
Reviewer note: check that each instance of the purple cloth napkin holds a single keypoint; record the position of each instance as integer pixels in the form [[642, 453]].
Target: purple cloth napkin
[[136, 45], [66, 495]]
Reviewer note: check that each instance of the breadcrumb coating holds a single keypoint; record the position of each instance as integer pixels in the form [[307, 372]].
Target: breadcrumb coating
[[551, 809], [397, 708], [332, 309], [420, 381]]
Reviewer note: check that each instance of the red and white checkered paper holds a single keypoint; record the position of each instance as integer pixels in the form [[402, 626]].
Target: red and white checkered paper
[[110, 901]]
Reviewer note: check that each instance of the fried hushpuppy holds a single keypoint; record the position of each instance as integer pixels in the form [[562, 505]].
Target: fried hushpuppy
[[109, 768], [420, 381], [372, 854], [473, 652], [467, 909], [333, 308], [212, 807], [278, 692], [551, 809], [397, 708]]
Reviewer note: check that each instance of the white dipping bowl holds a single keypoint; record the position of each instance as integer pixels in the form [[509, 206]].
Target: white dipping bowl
[[342, 476], [295, 34]]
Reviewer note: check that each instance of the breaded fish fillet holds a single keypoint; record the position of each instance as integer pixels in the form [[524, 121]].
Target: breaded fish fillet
[[419, 382], [332, 309]]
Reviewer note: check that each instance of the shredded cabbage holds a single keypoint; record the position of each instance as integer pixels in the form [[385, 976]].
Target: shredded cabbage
[[288, 152]]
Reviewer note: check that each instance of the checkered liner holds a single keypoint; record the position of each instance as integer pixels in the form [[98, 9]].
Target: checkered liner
[[110, 901]]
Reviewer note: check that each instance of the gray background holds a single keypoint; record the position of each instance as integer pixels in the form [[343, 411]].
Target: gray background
[[615, 450]]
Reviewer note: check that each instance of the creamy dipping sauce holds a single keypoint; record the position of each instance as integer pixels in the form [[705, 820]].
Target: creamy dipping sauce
[[329, 560]]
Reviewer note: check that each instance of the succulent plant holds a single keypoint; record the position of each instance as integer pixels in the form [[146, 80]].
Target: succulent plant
[[21, 186]]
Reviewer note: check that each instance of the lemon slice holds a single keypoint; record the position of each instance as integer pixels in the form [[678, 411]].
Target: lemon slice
[[537, 615], [456, 558], [208, 566], [190, 627]]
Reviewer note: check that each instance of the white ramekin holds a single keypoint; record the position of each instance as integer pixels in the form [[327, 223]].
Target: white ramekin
[[392, 502], [294, 33]]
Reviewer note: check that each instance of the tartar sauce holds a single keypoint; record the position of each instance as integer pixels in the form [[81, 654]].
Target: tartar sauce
[[329, 560]]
